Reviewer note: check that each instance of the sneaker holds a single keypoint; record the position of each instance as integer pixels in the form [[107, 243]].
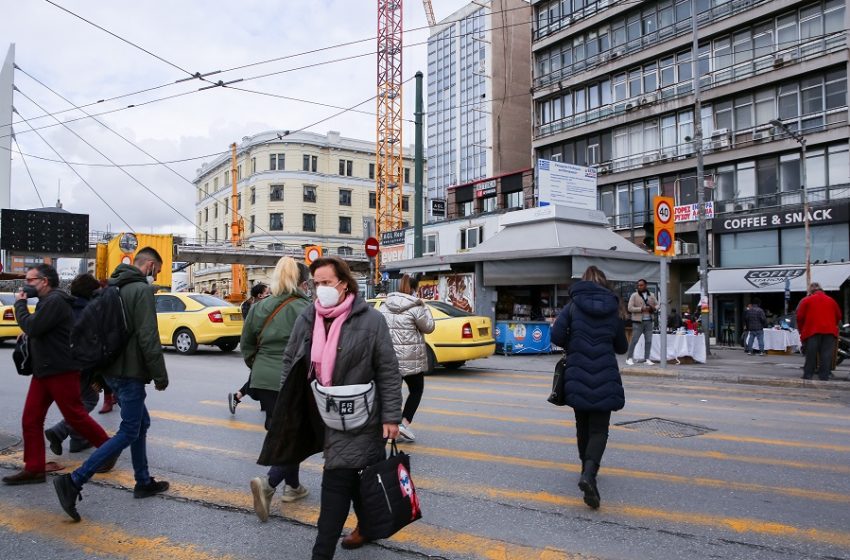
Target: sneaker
[[54, 441], [68, 495], [232, 401], [262, 492], [406, 432], [649, 363], [149, 489], [630, 362], [291, 494]]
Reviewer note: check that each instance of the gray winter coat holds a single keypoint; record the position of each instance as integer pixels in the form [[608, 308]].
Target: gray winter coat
[[365, 354], [408, 319]]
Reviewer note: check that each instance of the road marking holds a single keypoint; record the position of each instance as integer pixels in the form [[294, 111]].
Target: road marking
[[100, 539], [554, 465]]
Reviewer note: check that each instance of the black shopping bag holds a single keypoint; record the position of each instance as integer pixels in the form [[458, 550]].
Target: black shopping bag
[[21, 355], [388, 496]]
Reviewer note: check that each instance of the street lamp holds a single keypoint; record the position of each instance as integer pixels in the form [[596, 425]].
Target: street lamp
[[802, 141]]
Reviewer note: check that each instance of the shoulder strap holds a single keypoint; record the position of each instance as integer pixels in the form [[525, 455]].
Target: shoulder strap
[[272, 316]]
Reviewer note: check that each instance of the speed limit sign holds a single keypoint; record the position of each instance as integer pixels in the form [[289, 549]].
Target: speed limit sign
[[665, 235]]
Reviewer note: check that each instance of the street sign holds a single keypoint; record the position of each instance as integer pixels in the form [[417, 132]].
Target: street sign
[[372, 247], [665, 235], [312, 253]]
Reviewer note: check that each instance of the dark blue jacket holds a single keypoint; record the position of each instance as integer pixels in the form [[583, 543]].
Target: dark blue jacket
[[596, 332]]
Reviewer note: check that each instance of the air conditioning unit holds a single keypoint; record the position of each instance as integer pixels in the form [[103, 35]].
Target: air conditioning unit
[[690, 249], [720, 132], [761, 136], [630, 105], [744, 206], [617, 52], [650, 158], [649, 98], [781, 60], [719, 143], [604, 168]]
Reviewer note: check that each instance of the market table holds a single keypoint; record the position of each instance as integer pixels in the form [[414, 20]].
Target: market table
[[678, 346], [780, 340]]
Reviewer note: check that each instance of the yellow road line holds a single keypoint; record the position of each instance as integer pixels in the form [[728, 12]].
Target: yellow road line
[[100, 539], [554, 465]]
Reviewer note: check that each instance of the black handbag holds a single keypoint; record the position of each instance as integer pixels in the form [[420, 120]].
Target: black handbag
[[558, 396], [389, 499], [22, 356]]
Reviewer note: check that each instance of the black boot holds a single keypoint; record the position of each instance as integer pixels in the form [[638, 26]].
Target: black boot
[[587, 484]]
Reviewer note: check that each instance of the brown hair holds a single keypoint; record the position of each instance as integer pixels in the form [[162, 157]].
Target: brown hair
[[405, 287], [84, 286], [593, 274], [340, 269]]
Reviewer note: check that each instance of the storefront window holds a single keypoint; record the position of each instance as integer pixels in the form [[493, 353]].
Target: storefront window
[[829, 244], [753, 248]]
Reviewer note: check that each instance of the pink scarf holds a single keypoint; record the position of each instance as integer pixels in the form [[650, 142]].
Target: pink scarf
[[323, 352]]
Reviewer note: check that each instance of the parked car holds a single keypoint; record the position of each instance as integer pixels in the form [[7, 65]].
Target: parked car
[[458, 336], [188, 319], [9, 329]]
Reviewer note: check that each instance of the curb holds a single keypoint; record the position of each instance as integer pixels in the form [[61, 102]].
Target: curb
[[837, 384]]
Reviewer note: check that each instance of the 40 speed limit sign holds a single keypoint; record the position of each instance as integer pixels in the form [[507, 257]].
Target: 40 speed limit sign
[[665, 232]]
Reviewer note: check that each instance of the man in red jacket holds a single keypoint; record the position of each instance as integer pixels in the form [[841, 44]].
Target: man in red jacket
[[818, 316]]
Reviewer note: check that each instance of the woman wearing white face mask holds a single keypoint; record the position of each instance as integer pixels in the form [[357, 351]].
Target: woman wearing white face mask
[[340, 340]]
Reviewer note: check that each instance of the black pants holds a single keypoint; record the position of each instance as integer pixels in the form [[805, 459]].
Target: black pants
[[340, 487], [267, 401], [415, 388], [592, 435], [819, 347]]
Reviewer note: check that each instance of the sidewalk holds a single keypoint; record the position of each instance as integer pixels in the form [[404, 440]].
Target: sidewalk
[[725, 365]]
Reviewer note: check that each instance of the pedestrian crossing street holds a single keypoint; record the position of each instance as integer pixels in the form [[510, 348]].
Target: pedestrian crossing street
[[496, 468]]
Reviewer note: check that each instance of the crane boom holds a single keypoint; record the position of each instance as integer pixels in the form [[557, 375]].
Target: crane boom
[[429, 13]]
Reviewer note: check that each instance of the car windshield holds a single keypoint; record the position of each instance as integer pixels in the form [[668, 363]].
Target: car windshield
[[449, 310], [7, 299], [210, 301]]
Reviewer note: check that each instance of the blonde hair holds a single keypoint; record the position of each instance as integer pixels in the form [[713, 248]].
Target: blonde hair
[[286, 276]]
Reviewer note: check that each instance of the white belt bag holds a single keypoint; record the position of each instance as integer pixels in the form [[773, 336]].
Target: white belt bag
[[345, 407]]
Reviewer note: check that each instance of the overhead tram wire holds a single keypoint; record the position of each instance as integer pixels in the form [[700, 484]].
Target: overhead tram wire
[[86, 183], [27, 167], [107, 158]]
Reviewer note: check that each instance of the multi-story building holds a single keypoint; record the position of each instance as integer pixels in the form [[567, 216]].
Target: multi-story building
[[294, 190], [613, 89], [478, 98]]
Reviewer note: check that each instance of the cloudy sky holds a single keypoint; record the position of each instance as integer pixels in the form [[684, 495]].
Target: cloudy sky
[[85, 64]]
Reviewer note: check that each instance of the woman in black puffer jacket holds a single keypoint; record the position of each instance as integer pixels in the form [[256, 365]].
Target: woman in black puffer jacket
[[591, 331]]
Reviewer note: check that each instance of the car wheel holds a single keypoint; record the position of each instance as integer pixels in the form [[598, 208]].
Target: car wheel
[[227, 346], [453, 365], [432, 359], [184, 342]]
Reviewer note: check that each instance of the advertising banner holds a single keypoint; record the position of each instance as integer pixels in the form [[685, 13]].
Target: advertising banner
[[690, 212], [428, 289], [458, 290]]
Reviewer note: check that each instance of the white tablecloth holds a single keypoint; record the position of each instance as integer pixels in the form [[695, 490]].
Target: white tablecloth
[[779, 340], [678, 345]]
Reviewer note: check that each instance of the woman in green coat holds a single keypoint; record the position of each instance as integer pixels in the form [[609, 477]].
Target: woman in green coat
[[264, 338]]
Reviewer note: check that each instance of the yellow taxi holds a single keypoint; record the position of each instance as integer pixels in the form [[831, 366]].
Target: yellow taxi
[[458, 336], [9, 329], [188, 319]]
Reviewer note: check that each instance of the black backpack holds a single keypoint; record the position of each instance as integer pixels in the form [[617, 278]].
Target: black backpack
[[100, 332]]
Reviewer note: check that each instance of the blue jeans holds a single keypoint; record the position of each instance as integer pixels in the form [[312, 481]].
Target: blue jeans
[[758, 335], [132, 433]]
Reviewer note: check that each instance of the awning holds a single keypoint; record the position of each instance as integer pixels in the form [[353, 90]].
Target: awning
[[772, 279]]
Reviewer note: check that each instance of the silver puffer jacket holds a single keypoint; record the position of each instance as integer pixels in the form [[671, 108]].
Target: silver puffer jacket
[[408, 319]]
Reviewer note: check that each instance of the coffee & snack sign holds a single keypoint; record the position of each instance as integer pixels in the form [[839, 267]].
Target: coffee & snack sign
[[781, 219]]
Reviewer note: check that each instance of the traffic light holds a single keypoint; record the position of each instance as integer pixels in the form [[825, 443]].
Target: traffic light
[[649, 240]]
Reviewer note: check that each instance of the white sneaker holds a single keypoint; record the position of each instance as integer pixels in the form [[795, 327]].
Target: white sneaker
[[630, 362], [291, 494], [406, 432], [262, 492], [649, 363]]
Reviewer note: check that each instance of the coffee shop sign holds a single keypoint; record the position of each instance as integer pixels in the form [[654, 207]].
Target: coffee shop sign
[[781, 219]]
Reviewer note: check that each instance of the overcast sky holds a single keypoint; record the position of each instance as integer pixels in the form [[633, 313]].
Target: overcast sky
[[85, 64]]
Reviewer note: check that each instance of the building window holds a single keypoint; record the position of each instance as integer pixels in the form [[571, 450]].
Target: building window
[[373, 200], [207, 214], [371, 170], [239, 172], [206, 237], [430, 244], [253, 165], [407, 175], [238, 203], [276, 192], [309, 193], [252, 225], [276, 162], [309, 222], [309, 163], [215, 184], [215, 210], [488, 204], [344, 251], [276, 221], [227, 178], [471, 237], [466, 208], [345, 224], [226, 208], [344, 197], [346, 167], [215, 235], [253, 195], [405, 204], [513, 200]]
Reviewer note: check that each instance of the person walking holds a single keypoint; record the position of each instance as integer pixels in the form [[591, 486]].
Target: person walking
[[591, 332], [818, 316], [409, 318], [139, 363], [641, 305], [755, 321], [340, 340], [55, 376], [259, 291], [82, 288], [264, 339]]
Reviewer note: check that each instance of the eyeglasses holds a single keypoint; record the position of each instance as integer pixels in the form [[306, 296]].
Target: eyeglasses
[[34, 278]]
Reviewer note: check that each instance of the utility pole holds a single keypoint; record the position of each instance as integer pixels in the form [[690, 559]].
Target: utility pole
[[417, 171], [804, 187], [702, 237]]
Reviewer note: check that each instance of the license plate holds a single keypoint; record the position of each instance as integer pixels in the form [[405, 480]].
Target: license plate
[[236, 317], [484, 332]]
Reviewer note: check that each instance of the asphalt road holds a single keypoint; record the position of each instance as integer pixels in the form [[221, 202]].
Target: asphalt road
[[496, 469]]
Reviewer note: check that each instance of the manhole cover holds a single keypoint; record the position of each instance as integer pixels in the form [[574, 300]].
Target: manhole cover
[[666, 428], [7, 441]]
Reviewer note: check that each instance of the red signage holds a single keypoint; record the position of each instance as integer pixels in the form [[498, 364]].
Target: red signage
[[372, 247]]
